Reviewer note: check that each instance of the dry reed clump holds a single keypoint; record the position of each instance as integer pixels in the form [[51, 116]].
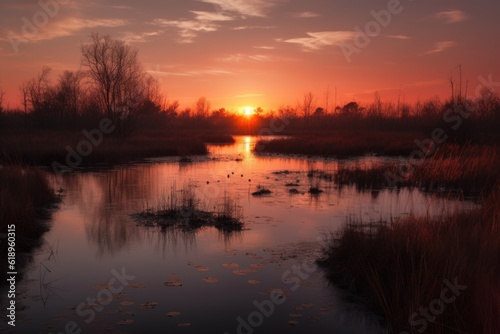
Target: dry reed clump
[[402, 268], [182, 209]]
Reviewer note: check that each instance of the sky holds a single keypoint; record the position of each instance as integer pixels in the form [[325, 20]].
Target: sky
[[265, 53]]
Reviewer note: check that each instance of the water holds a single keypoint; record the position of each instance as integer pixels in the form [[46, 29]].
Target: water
[[227, 279]]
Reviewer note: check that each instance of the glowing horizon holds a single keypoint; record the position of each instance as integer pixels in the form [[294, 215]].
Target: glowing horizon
[[264, 53]]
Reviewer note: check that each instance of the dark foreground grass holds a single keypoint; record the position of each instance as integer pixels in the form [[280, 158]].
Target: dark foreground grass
[[180, 209], [26, 201], [43, 148], [402, 270]]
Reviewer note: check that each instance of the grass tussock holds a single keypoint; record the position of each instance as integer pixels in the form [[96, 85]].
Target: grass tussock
[[26, 199], [472, 169], [181, 209], [402, 269]]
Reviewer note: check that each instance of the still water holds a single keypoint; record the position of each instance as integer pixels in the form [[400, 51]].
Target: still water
[[260, 280]]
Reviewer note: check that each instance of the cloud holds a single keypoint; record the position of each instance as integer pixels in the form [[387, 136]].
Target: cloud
[[131, 37], [211, 16], [239, 57], [453, 16], [402, 37], [196, 73], [264, 47], [306, 15], [318, 40], [253, 27], [66, 27], [190, 28], [440, 47], [257, 8]]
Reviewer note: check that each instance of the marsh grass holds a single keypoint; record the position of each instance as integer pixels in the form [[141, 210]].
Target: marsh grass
[[182, 209], [401, 267], [344, 144], [469, 171], [43, 148]]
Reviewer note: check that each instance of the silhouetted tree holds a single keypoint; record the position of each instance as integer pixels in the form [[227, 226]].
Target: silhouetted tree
[[351, 108], [307, 106], [488, 102], [35, 91], [202, 107], [114, 68], [69, 93]]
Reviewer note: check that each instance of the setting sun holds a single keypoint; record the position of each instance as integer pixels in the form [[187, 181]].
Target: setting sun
[[248, 111]]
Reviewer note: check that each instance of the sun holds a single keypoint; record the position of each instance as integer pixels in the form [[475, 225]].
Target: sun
[[248, 111]]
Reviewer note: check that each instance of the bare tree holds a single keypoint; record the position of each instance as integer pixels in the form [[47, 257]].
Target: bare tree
[[34, 91], [307, 106], [114, 68], [202, 107], [152, 90], [69, 93], [487, 102]]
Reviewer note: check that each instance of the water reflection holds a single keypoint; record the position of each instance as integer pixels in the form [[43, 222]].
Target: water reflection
[[97, 235], [106, 199]]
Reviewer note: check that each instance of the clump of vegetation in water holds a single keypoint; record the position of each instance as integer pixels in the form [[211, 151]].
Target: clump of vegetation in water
[[262, 192], [181, 209], [315, 191]]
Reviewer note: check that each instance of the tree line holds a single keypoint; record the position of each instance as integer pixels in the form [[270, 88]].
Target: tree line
[[112, 83]]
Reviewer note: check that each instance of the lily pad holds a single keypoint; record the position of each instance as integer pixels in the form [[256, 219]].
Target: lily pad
[[173, 314], [149, 305], [173, 281], [210, 280], [243, 272]]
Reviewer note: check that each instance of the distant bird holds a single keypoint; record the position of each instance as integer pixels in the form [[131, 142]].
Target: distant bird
[[249, 180], [208, 182], [228, 176], [218, 181], [232, 173], [241, 175]]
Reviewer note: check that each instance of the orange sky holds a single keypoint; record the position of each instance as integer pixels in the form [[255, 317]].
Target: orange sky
[[264, 53]]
